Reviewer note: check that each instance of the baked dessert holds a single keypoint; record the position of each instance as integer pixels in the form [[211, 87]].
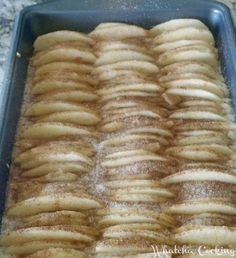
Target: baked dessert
[[125, 145]]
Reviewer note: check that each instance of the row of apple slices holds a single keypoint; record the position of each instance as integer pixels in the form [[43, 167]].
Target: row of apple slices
[[51, 208], [49, 215], [63, 108], [130, 232], [135, 133], [116, 74], [194, 88]]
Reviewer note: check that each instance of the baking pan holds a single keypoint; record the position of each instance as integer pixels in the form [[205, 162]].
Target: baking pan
[[83, 16]]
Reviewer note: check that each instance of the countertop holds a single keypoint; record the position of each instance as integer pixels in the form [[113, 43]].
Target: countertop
[[8, 12]]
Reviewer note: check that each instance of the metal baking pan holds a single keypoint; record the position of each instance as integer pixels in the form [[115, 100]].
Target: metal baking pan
[[84, 16]]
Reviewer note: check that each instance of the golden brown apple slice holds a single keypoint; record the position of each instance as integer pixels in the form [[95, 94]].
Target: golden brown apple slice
[[188, 33], [64, 67], [122, 31], [65, 232], [58, 253], [175, 24], [196, 54], [28, 248], [49, 203], [52, 130], [64, 53], [191, 67], [207, 235], [53, 38], [114, 56], [201, 206], [54, 218]]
